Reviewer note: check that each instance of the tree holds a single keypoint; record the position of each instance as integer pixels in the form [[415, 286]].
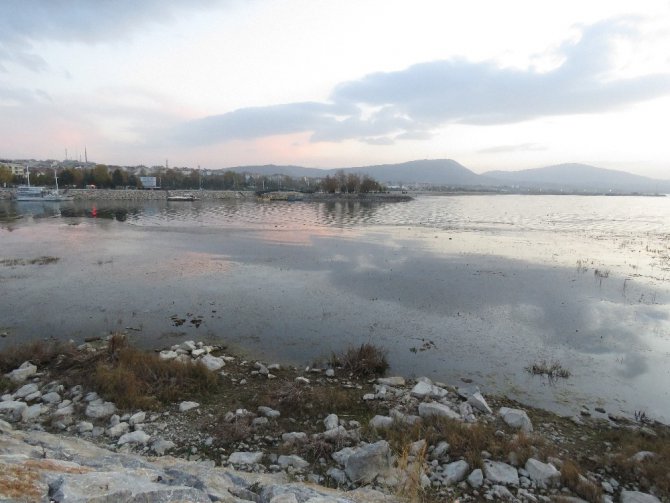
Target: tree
[[100, 176], [119, 178], [352, 183], [329, 184], [5, 175]]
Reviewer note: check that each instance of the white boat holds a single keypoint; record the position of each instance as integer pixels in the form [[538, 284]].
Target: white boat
[[31, 193], [57, 196], [185, 197]]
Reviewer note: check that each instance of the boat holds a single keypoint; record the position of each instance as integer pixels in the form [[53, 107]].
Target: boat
[[39, 194], [184, 197], [57, 196]]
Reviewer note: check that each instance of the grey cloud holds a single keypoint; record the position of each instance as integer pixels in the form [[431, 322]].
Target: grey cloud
[[23, 22], [413, 102], [383, 140], [482, 93]]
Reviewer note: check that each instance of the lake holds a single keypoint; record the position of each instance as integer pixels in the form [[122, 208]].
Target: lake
[[454, 287]]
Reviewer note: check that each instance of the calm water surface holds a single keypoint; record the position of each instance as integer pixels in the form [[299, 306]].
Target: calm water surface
[[474, 287]]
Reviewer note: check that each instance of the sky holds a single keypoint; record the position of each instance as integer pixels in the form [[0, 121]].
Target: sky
[[337, 83]]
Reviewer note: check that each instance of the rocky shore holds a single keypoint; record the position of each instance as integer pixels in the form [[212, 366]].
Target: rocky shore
[[271, 434]]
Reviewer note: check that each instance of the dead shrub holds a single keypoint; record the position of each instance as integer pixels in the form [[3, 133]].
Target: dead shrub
[[577, 483], [365, 361], [138, 379], [41, 353]]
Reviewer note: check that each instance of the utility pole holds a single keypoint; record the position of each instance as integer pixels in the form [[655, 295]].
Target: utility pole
[[85, 156]]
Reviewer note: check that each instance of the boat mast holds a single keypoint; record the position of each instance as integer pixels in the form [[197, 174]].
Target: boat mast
[[28, 173]]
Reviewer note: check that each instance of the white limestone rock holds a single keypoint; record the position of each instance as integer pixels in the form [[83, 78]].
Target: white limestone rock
[[501, 473], [391, 381], [294, 437], [268, 412], [117, 430], [381, 422], [293, 460], [98, 409], [368, 462], [213, 363], [455, 472], [331, 421], [476, 478], [516, 418], [25, 390], [428, 409], [22, 373], [137, 418], [186, 406], [543, 474], [637, 497], [51, 398], [424, 389], [245, 458], [135, 437], [479, 403], [32, 412], [167, 354]]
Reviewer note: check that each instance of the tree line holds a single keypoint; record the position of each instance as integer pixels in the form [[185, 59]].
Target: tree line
[[103, 176]]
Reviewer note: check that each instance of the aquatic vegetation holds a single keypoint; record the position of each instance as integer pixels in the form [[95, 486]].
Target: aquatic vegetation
[[552, 370]]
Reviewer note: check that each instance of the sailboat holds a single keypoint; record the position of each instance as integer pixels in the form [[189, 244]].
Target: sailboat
[[27, 192], [57, 196], [31, 193]]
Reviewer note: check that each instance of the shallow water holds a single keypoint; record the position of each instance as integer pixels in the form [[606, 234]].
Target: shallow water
[[474, 287]]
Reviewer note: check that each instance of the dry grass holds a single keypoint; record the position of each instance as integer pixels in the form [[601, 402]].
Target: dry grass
[[572, 478], [654, 471], [135, 379], [13, 262], [367, 360], [295, 399], [411, 467], [41, 353]]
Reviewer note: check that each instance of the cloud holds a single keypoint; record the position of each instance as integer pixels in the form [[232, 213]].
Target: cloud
[[413, 102], [520, 147], [24, 22]]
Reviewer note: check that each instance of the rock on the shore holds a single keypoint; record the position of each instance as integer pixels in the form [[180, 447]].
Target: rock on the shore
[[427, 409], [22, 373], [543, 474], [455, 472], [98, 409], [186, 406], [368, 462], [501, 473], [245, 458], [516, 418], [637, 497]]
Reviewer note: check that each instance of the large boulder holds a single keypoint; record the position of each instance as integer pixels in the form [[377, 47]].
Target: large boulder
[[500, 473], [637, 497], [22, 373], [455, 472], [543, 474], [478, 402], [516, 418], [428, 409], [213, 363], [368, 462], [425, 388], [113, 486], [245, 458], [98, 409]]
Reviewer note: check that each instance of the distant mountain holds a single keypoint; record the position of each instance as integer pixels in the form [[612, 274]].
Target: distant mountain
[[449, 173], [578, 177], [432, 171]]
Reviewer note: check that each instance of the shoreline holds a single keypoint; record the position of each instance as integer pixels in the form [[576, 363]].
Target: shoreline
[[212, 195], [318, 425]]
